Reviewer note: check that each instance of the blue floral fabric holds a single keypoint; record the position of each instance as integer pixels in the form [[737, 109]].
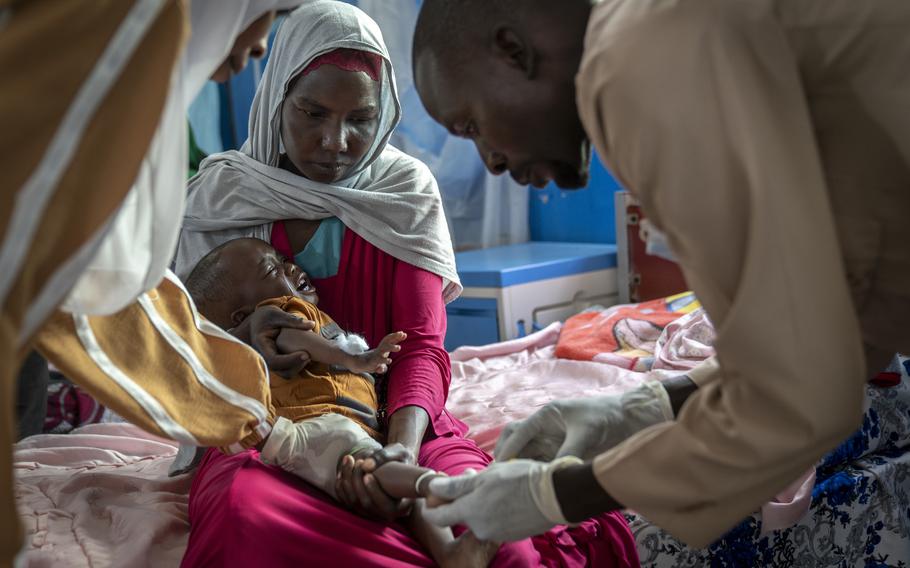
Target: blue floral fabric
[[860, 513]]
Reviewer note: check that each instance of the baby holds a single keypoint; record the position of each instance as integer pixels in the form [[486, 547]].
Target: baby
[[333, 400]]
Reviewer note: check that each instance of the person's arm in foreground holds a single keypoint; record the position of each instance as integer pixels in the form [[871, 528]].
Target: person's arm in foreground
[[529, 496], [163, 367], [420, 374], [708, 125]]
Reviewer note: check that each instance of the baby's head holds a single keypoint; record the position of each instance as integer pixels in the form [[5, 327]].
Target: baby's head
[[229, 282]]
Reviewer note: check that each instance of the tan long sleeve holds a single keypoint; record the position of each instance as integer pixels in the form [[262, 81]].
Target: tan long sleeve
[[705, 373], [699, 108], [163, 367]]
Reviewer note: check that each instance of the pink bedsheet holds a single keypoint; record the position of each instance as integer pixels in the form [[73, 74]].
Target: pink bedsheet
[[100, 496], [496, 384]]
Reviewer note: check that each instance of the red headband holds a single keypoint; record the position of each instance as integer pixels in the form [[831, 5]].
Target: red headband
[[349, 60]]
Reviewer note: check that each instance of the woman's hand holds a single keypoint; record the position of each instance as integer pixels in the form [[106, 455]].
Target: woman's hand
[[261, 329], [359, 491]]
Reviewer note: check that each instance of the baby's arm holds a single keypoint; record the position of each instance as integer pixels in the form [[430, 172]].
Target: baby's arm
[[331, 352], [403, 480]]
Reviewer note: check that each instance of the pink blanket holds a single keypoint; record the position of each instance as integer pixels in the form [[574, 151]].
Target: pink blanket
[[101, 497], [496, 384]]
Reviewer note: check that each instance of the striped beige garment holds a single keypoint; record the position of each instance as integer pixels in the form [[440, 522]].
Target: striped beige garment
[[83, 84], [165, 368]]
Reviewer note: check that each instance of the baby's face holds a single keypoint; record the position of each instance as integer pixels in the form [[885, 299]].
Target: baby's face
[[259, 273]]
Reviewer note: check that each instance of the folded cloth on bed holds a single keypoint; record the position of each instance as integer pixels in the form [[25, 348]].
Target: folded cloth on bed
[[685, 342], [625, 335]]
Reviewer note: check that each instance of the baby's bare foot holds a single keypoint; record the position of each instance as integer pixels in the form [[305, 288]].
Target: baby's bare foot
[[467, 551]]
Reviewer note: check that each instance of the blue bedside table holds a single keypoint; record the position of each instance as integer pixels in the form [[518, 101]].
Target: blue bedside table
[[513, 289]]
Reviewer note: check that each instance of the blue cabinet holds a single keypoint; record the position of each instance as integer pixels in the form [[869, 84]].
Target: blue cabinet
[[472, 321], [512, 290]]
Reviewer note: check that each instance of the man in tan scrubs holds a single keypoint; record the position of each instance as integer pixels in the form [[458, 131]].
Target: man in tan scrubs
[[770, 141]]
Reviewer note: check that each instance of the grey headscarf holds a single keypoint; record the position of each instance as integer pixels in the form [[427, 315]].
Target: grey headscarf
[[391, 199]]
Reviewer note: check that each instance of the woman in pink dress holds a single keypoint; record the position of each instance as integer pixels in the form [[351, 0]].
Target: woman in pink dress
[[318, 180]]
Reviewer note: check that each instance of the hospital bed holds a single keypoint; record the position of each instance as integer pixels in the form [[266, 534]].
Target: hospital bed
[[100, 496]]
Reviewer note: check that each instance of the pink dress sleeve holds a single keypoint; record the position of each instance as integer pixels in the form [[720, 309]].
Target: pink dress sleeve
[[421, 372], [375, 294]]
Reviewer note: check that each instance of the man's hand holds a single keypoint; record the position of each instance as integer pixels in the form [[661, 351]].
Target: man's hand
[[358, 490], [261, 329], [584, 427], [505, 502]]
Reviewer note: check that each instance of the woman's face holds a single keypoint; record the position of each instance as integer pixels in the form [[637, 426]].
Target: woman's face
[[329, 120]]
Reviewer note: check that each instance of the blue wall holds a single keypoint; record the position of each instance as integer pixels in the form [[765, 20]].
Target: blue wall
[[578, 216]]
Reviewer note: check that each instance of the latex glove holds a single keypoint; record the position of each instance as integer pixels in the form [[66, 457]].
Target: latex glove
[[311, 449], [507, 501], [584, 427]]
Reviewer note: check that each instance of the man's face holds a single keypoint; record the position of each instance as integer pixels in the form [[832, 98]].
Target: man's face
[[252, 42], [530, 128]]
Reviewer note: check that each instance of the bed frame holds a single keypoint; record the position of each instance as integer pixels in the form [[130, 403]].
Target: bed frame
[[641, 276]]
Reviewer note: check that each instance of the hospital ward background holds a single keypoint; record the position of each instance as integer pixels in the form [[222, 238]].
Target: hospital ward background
[[564, 296]]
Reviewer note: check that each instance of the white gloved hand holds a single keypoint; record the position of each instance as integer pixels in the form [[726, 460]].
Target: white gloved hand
[[584, 427], [505, 502], [311, 449]]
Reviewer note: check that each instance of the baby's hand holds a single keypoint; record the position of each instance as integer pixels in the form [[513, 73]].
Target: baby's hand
[[377, 360]]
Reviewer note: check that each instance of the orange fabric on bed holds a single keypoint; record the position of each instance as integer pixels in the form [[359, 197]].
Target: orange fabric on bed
[[620, 330]]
